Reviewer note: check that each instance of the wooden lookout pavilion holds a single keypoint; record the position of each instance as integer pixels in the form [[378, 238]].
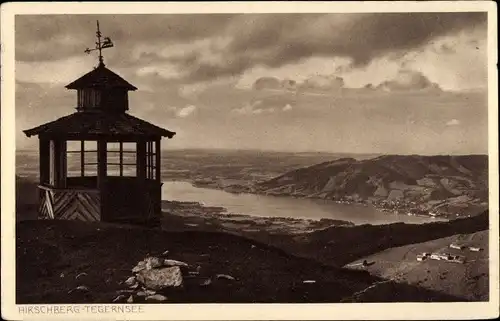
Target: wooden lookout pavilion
[[100, 163]]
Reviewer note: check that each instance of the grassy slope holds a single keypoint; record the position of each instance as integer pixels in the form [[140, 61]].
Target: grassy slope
[[51, 253], [340, 245]]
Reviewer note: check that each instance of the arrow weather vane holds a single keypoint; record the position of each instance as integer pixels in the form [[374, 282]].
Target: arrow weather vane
[[99, 45]]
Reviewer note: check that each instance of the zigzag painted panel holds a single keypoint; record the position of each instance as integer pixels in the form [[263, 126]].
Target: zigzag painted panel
[[70, 205]]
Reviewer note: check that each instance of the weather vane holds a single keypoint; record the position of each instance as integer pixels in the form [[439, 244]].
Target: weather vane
[[100, 45]]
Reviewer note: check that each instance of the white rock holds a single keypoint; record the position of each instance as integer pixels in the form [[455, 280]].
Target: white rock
[[130, 281], [168, 262], [119, 298], [80, 275], [139, 267], [206, 282], [146, 292], [156, 297], [79, 288], [153, 262], [225, 276], [125, 291], [130, 299], [309, 281], [148, 263]]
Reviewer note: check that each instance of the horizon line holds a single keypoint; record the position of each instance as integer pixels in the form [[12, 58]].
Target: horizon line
[[257, 150]]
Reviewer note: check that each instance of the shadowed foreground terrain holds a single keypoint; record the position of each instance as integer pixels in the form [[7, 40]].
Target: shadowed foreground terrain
[[55, 257], [267, 260]]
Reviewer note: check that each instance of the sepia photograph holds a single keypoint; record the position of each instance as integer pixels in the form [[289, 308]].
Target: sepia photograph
[[246, 156]]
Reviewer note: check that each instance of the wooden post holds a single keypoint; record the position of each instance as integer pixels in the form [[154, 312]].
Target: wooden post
[[141, 160], [82, 158], [121, 158], [52, 163], [63, 165], [147, 159], [44, 160], [158, 160], [58, 155], [150, 159], [101, 163]]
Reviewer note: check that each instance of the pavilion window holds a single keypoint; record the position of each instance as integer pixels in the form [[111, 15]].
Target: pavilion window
[[74, 159], [82, 158], [89, 98], [121, 159]]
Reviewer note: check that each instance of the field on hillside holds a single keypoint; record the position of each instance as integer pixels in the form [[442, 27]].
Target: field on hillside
[[399, 264]]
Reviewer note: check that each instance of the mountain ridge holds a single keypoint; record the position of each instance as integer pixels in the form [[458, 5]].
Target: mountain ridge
[[442, 185]]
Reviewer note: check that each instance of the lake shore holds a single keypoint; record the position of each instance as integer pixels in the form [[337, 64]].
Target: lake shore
[[404, 213], [399, 207], [196, 215]]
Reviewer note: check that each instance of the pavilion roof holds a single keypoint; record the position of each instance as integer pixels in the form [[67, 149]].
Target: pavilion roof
[[99, 124], [101, 77]]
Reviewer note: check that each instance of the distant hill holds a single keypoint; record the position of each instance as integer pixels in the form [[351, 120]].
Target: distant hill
[[442, 184]]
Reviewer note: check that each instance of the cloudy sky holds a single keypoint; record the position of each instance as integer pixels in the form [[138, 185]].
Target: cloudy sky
[[363, 83]]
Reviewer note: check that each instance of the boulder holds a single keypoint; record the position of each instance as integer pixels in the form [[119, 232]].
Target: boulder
[[152, 262], [162, 278], [148, 264], [139, 267]]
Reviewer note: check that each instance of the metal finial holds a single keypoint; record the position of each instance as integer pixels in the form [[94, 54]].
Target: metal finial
[[99, 45]]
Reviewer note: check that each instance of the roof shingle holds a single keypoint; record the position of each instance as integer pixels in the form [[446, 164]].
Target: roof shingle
[[99, 124], [100, 77]]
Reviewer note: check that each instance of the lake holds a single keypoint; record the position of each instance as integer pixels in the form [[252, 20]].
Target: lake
[[263, 205]]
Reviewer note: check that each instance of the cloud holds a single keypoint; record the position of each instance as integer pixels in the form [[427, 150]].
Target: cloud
[[37, 36], [408, 80], [203, 47], [287, 107], [256, 107], [267, 83], [51, 71], [281, 39], [186, 111], [453, 122], [322, 84], [314, 85]]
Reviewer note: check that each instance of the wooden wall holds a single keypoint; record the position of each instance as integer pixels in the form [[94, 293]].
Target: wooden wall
[[119, 199], [70, 204]]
